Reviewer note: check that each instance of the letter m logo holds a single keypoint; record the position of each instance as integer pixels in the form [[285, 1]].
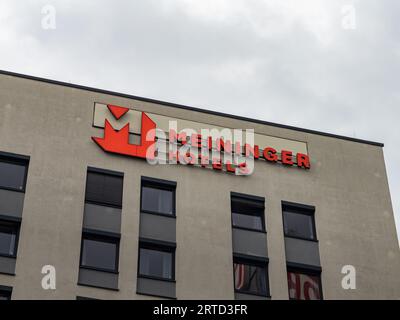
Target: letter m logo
[[117, 140]]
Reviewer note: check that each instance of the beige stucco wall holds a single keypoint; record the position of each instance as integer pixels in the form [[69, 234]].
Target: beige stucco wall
[[53, 125]]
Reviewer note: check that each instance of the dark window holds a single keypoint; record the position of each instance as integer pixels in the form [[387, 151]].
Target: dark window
[[248, 214], [156, 262], [251, 278], [85, 298], [8, 238], [13, 173], [100, 252], [158, 198], [5, 293], [104, 188], [299, 223], [304, 285]]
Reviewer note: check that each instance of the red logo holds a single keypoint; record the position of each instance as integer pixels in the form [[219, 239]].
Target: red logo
[[117, 141]]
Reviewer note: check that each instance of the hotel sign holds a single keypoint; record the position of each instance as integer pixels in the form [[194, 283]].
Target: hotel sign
[[163, 140]]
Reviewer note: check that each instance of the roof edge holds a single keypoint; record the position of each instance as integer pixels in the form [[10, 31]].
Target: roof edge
[[175, 105]]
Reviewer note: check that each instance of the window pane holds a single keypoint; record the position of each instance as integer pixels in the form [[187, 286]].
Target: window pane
[[12, 175], [99, 254], [5, 295], [155, 263], [157, 200], [247, 214], [303, 286], [8, 236], [298, 225], [104, 188], [251, 279], [247, 221]]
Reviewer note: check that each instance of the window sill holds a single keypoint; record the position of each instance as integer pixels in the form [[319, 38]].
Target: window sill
[[301, 238], [167, 215], [249, 259], [101, 233], [12, 256], [97, 287], [156, 278], [249, 229], [253, 294], [303, 268], [294, 299], [99, 269], [155, 295], [12, 189], [103, 204], [7, 218]]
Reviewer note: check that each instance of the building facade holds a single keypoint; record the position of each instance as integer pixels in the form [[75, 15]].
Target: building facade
[[79, 202]]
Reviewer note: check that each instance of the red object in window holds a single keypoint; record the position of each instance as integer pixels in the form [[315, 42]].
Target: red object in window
[[239, 276], [303, 286]]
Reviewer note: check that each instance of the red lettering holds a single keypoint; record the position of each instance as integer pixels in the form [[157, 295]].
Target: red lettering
[[270, 154], [238, 148], [229, 167], [223, 146], [253, 151], [196, 140], [203, 160], [303, 160], [286, 157], [220, 144], [182, 137], [172, 135], [209, 143], [173, 156], [216, 164], [243, 168], [190, 158]]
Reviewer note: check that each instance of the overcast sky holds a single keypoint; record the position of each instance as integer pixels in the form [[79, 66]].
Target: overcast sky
[[331, 65]]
